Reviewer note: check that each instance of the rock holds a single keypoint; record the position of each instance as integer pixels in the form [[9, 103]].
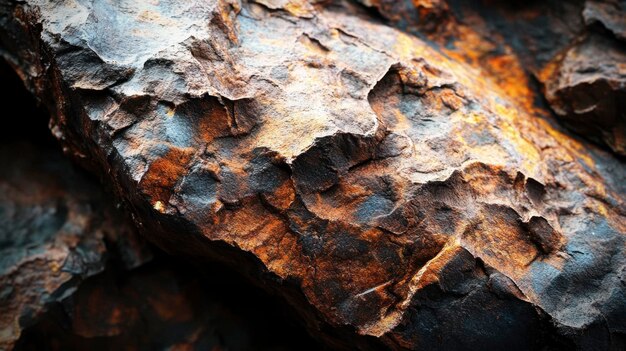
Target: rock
[[75, 275], [608, 13], [165, 305], [589, 90], [432, 17], [56, 229], [575, 49], [391, 193]]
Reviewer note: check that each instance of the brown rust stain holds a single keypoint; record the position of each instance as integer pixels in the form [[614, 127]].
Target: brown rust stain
[[162, 174]]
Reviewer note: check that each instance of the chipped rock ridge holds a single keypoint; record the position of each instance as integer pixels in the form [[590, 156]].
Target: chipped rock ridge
[[391, 191]]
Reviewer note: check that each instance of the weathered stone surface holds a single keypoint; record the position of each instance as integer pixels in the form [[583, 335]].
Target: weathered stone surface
[[589, 90], [575, 49], [608, 13], [75, 276], [56, 225], [385, 185]]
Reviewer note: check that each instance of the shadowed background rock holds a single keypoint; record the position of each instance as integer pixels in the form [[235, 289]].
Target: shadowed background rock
[[389, 168], [76, 276]]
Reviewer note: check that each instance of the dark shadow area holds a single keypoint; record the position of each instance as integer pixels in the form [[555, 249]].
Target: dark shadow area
[[167, 304], [22, 117]]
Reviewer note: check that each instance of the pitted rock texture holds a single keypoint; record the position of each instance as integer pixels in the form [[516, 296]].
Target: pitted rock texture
[[390, 188]]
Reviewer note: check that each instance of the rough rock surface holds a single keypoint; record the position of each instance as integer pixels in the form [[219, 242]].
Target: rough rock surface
[[390, 188], [57, 227], [75, 276], [576, 49], [589, 90]]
